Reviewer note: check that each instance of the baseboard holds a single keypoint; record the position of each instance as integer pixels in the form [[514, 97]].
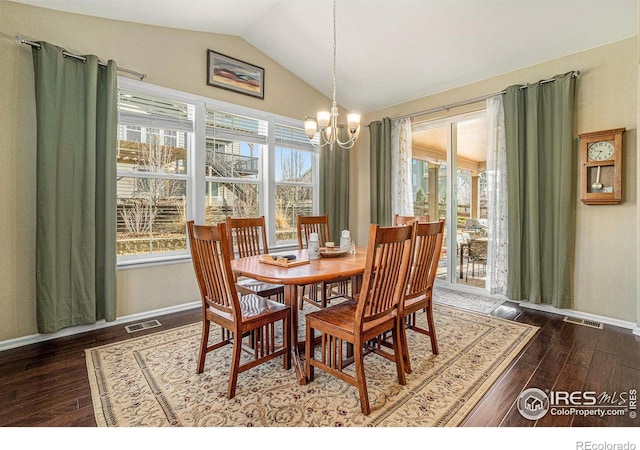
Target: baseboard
[[546, 308], [35, 338], [583, 315]]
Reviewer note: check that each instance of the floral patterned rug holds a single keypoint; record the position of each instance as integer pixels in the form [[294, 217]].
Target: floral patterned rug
[[150, 381], [465, 300]]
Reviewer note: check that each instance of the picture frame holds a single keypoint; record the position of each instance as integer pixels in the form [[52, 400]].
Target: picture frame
[[234, 75]]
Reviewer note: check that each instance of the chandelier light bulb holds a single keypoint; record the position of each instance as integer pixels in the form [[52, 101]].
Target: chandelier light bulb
[[353, 122], [356, 134], [327, 133], [324, 118], [310, 126]]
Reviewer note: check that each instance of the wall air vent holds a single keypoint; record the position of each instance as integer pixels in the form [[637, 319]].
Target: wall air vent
[[585, 322], [142, 326]]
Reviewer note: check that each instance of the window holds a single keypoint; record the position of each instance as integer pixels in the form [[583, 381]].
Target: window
[[182, 156], [234, 145], [132, 134], [154, 138], [170, 138], [294, 179], [449, 169]]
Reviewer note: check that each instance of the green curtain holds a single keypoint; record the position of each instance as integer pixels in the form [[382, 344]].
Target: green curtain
[[334, 186], [539, 129], [380, 171], [76, 116]]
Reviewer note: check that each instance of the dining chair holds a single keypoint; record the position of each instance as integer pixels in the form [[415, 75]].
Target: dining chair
[[248, 315], [327, 290], [377, 310], [462, 244], [313, 224], [248, 237], [418, 295], [476, 254], [403, 220]]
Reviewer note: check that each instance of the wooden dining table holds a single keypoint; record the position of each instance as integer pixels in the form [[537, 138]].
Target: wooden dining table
[[318, 270]]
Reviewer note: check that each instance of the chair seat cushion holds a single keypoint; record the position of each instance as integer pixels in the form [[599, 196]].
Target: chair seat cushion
[[254, 306], [247, 285]]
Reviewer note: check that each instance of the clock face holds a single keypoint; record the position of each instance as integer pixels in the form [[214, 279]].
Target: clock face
[[600, 151]]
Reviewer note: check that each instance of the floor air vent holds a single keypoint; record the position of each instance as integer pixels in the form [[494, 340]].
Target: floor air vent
[[585, 322], [142, 326]]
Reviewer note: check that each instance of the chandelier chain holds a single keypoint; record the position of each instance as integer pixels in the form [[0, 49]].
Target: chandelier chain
[[334, 53]]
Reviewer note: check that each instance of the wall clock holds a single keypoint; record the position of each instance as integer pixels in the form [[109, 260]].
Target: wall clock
[[601, 176]]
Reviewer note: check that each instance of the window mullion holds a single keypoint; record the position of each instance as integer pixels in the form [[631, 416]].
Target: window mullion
[[232, 180], [293, 183], [268, 177], [196, 171], [315, 167], [152, 175]]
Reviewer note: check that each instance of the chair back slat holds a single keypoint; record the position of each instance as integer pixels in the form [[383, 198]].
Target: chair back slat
[[313, 224], [385, 276], [427, 247], [209, 251], [403, 220], [247, 236]]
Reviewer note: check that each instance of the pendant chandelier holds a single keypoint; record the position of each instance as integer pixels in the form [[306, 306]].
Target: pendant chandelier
[[326, 123]]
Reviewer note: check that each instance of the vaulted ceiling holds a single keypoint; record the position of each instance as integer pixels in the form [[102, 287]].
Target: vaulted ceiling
[[389, 51]]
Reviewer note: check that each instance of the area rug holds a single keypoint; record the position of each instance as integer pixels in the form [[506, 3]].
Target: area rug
[[465, 300], [150, 381]]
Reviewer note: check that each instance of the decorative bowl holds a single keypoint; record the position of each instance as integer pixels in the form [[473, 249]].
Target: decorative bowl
[[334, 252]]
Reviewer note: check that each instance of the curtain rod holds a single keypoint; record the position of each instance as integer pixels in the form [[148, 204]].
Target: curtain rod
[[471, 101], [20, 40]]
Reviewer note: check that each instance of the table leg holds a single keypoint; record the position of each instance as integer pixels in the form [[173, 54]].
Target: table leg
[[291, 299], [461, 259], [356, 284]]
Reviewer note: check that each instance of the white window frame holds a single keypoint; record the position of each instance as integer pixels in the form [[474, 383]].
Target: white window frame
[[145, 130], [451, 124], [196, 178], [313, 184]]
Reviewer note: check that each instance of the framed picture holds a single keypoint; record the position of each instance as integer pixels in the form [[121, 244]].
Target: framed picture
[[234, 75]]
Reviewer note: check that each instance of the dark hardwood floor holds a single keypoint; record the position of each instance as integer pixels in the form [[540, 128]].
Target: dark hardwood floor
[[46, 384], [562, 357]]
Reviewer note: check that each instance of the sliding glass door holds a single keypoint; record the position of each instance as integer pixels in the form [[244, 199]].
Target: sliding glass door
[[449, 183]]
